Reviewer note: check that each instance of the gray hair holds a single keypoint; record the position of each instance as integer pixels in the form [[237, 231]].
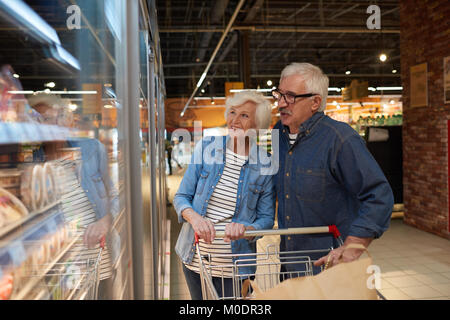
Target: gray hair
[[263, 113], [315, 80]]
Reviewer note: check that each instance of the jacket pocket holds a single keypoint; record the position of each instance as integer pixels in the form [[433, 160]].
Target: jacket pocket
[[253, 195], [202, 181], [99, 184], [310, 184]]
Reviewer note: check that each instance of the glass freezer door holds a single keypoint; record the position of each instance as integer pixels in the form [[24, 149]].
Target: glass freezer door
[[68, 92]]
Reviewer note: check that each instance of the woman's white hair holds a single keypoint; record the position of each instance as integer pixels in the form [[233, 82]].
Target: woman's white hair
[[263, 113], [315, 80]]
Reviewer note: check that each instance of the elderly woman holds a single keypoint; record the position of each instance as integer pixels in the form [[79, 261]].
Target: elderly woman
[[224, 189]]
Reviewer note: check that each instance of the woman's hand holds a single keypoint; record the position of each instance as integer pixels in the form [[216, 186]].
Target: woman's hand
[[203, 227], [235, 231], [96, 231]]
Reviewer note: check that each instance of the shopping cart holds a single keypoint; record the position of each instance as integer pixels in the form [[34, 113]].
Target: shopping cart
[[271, 265], [71, 280]]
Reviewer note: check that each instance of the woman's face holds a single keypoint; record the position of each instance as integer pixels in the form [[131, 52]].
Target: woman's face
[[241, 118]]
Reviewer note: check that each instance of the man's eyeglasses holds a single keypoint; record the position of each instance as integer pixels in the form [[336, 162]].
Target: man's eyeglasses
[[289, 98]]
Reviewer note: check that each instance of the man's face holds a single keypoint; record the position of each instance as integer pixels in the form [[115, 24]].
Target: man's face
[[48, 114], [294, 114]]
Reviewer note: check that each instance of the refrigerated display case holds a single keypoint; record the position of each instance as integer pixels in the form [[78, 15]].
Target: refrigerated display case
[[71, 216]]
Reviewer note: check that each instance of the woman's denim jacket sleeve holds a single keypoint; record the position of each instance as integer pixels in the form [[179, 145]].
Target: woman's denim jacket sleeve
[[255, 203], [95, 178]]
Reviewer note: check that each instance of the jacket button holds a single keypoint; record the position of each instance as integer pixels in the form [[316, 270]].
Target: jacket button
[[287, 174], [290, 153], [289, 238], [287, 196], [288, 218]]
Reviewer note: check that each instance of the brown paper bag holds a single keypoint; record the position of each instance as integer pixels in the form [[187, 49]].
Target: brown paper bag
[[345, 281]]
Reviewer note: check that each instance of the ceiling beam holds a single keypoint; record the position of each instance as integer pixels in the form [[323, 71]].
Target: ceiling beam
[[282, 29]]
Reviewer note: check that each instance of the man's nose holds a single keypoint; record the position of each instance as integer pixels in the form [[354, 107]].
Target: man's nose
[[282, 102]]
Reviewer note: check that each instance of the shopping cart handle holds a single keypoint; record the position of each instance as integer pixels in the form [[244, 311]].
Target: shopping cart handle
[[287, 231]]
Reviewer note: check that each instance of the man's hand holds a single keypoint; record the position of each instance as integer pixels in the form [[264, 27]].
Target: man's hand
[[203, 227], [342, 254], [96, 231]]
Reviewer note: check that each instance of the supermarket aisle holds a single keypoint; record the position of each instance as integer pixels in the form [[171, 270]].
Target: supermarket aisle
[[178, 288], [414, 264]]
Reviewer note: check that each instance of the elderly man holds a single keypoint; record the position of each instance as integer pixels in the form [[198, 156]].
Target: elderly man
[[327, 176]]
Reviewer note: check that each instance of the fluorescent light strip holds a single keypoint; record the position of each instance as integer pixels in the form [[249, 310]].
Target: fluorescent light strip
[[67, 57], [389, 88], [52, 92], [31, 19], [201, 79]]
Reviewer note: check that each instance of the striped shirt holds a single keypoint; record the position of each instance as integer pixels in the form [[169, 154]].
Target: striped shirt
[[77, 208], [292, 138], [220, 211]]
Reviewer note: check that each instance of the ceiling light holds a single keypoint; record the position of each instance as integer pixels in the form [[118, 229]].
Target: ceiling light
[[394, 70], [108, 106], [269, 82], [73, 107], [50, 85], [348, 72], [389, 88], [383, 57], [15, 75]]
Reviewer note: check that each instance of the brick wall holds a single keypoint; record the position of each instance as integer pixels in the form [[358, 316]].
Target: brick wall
[[425, 37]]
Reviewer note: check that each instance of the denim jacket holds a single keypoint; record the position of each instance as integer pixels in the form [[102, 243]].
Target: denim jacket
[[255, 202], [327, 177], [95, 179]]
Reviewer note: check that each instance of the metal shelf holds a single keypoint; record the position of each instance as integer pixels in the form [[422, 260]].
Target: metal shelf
[[11, 227], [31, 132]]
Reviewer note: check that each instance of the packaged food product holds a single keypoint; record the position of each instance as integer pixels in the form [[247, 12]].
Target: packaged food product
[[39, 255], [31, 189], [9, 177], [6, 286], [52, 245], [48, 185], [69, 153], [2, 220], [10, 180], [5, 158], [11, 208], [25, 156]]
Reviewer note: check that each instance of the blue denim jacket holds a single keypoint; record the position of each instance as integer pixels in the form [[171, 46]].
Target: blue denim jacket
[[95, 179], [329, 177], [255, 203]]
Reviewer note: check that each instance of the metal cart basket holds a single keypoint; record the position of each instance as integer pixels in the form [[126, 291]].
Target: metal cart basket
[[71, 280], [269, 264]]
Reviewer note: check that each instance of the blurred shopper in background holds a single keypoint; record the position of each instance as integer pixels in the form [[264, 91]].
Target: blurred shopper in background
[[89, 197], [327, 176], [223, 190]]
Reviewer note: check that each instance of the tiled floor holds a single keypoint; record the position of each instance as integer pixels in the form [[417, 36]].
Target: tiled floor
[[414, 264]]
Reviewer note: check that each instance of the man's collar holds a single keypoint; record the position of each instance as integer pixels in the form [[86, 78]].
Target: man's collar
[[307, 126]]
